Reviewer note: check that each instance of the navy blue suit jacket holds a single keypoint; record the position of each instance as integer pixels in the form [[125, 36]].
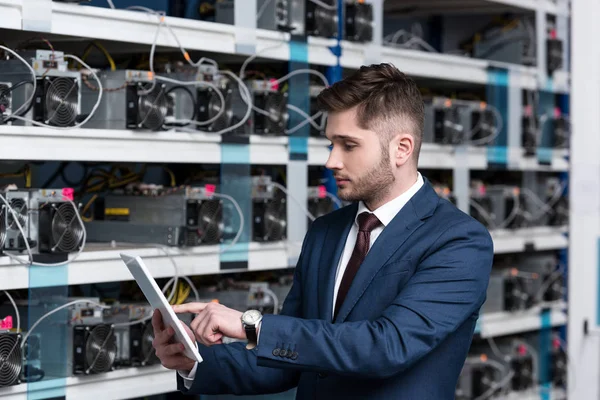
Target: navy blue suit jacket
[[403, 331]]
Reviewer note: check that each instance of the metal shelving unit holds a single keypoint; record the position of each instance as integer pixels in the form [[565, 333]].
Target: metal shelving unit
[[102, 264]]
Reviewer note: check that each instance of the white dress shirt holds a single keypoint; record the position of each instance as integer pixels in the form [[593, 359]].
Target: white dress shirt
[[385, 214]]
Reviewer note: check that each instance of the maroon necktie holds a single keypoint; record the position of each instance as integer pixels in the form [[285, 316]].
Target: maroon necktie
[[366, 223]]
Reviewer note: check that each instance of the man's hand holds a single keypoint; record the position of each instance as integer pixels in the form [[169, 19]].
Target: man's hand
[[170, 354], [213, 322]]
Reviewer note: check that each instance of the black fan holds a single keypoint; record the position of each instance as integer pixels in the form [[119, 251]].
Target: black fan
[[19, 207], [67, 232], [100, 349], [321, 21], [214, 107], [210, 221], [270, 220], [5, 101], [153, 108], [10, 358], [148, 353], [320, 207], [359, 22], [2, 226], [61, 99], [275, 104]]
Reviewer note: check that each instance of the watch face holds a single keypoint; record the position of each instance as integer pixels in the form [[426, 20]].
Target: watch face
[[251, 317]]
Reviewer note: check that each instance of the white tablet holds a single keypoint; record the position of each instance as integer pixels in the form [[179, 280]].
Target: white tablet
[[157, 300]]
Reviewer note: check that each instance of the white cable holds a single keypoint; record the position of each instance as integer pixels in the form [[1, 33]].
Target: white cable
[[324, 5], [34, 82], [274, 297], [197, 83], [17, 315], [240, 213], [549, 281], [302, 208], [514, 212], [246, 97], [111, 4], [496, 131], [55, 311], [242, 73], [483, 213], [80, 124], [303, 71], [307, 118], [335, 199], [262, 9]]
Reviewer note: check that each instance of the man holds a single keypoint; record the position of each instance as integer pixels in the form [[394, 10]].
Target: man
[[392, 322]]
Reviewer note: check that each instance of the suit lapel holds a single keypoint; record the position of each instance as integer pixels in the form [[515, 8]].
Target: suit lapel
[[389, 241], [333, 247]]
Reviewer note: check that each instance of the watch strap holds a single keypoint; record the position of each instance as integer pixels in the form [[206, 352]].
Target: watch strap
[[251, 336]]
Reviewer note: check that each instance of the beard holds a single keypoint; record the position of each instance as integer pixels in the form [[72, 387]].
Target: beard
[[371, 186]]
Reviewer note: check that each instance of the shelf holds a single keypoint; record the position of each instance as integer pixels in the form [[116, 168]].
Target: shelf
[[101, 263], [510, 323], [116, 385], [74, 20], [537, 394], [474, 6], [530, 239]]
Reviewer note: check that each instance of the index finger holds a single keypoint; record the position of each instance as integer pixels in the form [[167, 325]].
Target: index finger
[[189, 308], [157, 321]]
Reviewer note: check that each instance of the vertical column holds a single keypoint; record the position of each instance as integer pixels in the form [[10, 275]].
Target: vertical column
[[37, 15], [497, 96], [244, 14], [297, 169], [373, 49], [541, 35], [584, 198], [461, 178], [514, 116]]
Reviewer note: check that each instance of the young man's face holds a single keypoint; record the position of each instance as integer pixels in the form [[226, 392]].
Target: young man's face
[[360, 163]]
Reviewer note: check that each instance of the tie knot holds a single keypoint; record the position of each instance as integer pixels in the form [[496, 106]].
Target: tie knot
[[367, 222]]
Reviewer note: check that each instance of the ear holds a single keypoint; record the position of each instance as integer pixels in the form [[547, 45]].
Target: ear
[[404, 144]]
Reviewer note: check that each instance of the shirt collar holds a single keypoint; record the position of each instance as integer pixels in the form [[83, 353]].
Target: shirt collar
[[388, 211]]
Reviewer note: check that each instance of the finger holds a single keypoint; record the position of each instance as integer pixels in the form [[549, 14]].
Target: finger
[[173, 349], [163, 337], [157, 322], [202, 322], [196, 321], [193, 308], [189, 332]]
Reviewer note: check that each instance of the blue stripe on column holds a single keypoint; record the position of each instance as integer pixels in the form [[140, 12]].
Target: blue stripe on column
[[298, 95], [546, 107], [235, 182], [497, 96], [544, 351], [46, 283]]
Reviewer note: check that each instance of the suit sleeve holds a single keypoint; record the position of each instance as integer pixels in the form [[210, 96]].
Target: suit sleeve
[[448, 287], [232, 369]]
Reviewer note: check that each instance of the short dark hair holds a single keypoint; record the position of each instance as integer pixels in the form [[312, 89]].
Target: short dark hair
[[386, 98]]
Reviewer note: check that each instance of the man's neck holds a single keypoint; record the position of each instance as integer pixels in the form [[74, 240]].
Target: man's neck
[[400, 186]]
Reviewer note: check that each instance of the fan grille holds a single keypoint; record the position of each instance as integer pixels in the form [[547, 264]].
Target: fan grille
[[148, 353], [214, 106], [153, 108], [210, 224], [326, 22], [275, 219], [101, 349], [276, 106], [67, 232], [363, 22], [19, 207], [10, 359], [2, 226], [61, 101]]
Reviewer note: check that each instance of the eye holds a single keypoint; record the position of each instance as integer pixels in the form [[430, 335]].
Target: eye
[[349, 147]]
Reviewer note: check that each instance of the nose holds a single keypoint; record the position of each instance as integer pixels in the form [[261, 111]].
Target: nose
[[334, 161]]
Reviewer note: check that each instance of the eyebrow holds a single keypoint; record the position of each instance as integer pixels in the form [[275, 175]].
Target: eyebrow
[[343, 137]]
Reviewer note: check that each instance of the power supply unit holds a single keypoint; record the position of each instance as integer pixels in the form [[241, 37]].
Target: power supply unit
[[508, 292], [14, 238], [130, 101], [322, 21], [282, 15], [549, 285], [57, 98], [221, 116], [273, 116], [529, 131], [269, 212], [558, 361], [359, 21], [92, 349], [477, 377], [188, 217]]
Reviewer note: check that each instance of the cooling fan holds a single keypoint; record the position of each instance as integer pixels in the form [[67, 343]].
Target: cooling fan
[[19, 206], [275, 104], [319, 207], [359, 22], [2, 227], [59, 228], [210, 105], [205, 219], [321, 21], [10, 359], [270, 220], [5, 101], [57, 105], [95, 349], [146, 109], [148, 355]]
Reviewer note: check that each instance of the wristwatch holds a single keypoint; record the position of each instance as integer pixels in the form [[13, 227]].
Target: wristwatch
[[250, 320]]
